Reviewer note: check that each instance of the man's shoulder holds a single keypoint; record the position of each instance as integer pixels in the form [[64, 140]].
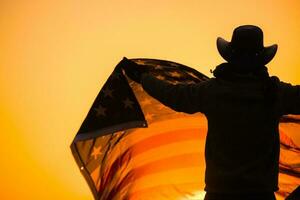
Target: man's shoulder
[[280, 83]]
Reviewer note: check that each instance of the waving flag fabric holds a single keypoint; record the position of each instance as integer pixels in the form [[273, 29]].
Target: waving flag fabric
[[130, 146]]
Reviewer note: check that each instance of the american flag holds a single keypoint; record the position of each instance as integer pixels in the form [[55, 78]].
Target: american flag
[[131, 146]]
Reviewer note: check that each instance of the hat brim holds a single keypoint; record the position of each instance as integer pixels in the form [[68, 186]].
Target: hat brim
[[263, 57]]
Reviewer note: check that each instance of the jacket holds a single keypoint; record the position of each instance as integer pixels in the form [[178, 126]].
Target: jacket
[[242, 143]]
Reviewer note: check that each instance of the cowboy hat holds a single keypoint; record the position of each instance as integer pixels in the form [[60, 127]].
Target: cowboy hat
[[246, 46]]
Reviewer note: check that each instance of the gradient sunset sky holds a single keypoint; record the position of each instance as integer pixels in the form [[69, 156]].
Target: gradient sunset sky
[[55, 56]]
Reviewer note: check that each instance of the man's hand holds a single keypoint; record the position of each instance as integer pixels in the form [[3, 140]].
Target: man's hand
[[133, 70]]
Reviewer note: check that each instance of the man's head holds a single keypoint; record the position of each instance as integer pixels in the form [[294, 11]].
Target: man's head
[[246, 47]]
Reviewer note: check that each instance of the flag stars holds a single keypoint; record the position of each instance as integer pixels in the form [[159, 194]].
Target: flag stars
[[160, 77], [175, 74], [140, 62], [96, 152], [149, 116], [158, 67], [128, 103], [175, 82], [107, 92], [100, 110]]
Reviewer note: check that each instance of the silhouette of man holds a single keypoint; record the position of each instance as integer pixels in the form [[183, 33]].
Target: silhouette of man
[[243, 105]]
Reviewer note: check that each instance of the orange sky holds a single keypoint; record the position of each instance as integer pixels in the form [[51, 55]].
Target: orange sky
[[55, 56]]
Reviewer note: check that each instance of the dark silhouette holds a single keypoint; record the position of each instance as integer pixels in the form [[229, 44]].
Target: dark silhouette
[[243, 105]]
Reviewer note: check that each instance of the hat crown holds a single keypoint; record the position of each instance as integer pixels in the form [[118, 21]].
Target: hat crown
[[247, 38], [246, 47]]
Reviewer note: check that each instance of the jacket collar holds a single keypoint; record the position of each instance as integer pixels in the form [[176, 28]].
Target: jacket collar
[[237, 73]]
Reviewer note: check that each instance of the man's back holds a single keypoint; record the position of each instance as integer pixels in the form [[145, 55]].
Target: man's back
[[242, 144]]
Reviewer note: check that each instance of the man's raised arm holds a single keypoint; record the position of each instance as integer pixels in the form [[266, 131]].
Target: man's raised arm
[[186, 98]]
